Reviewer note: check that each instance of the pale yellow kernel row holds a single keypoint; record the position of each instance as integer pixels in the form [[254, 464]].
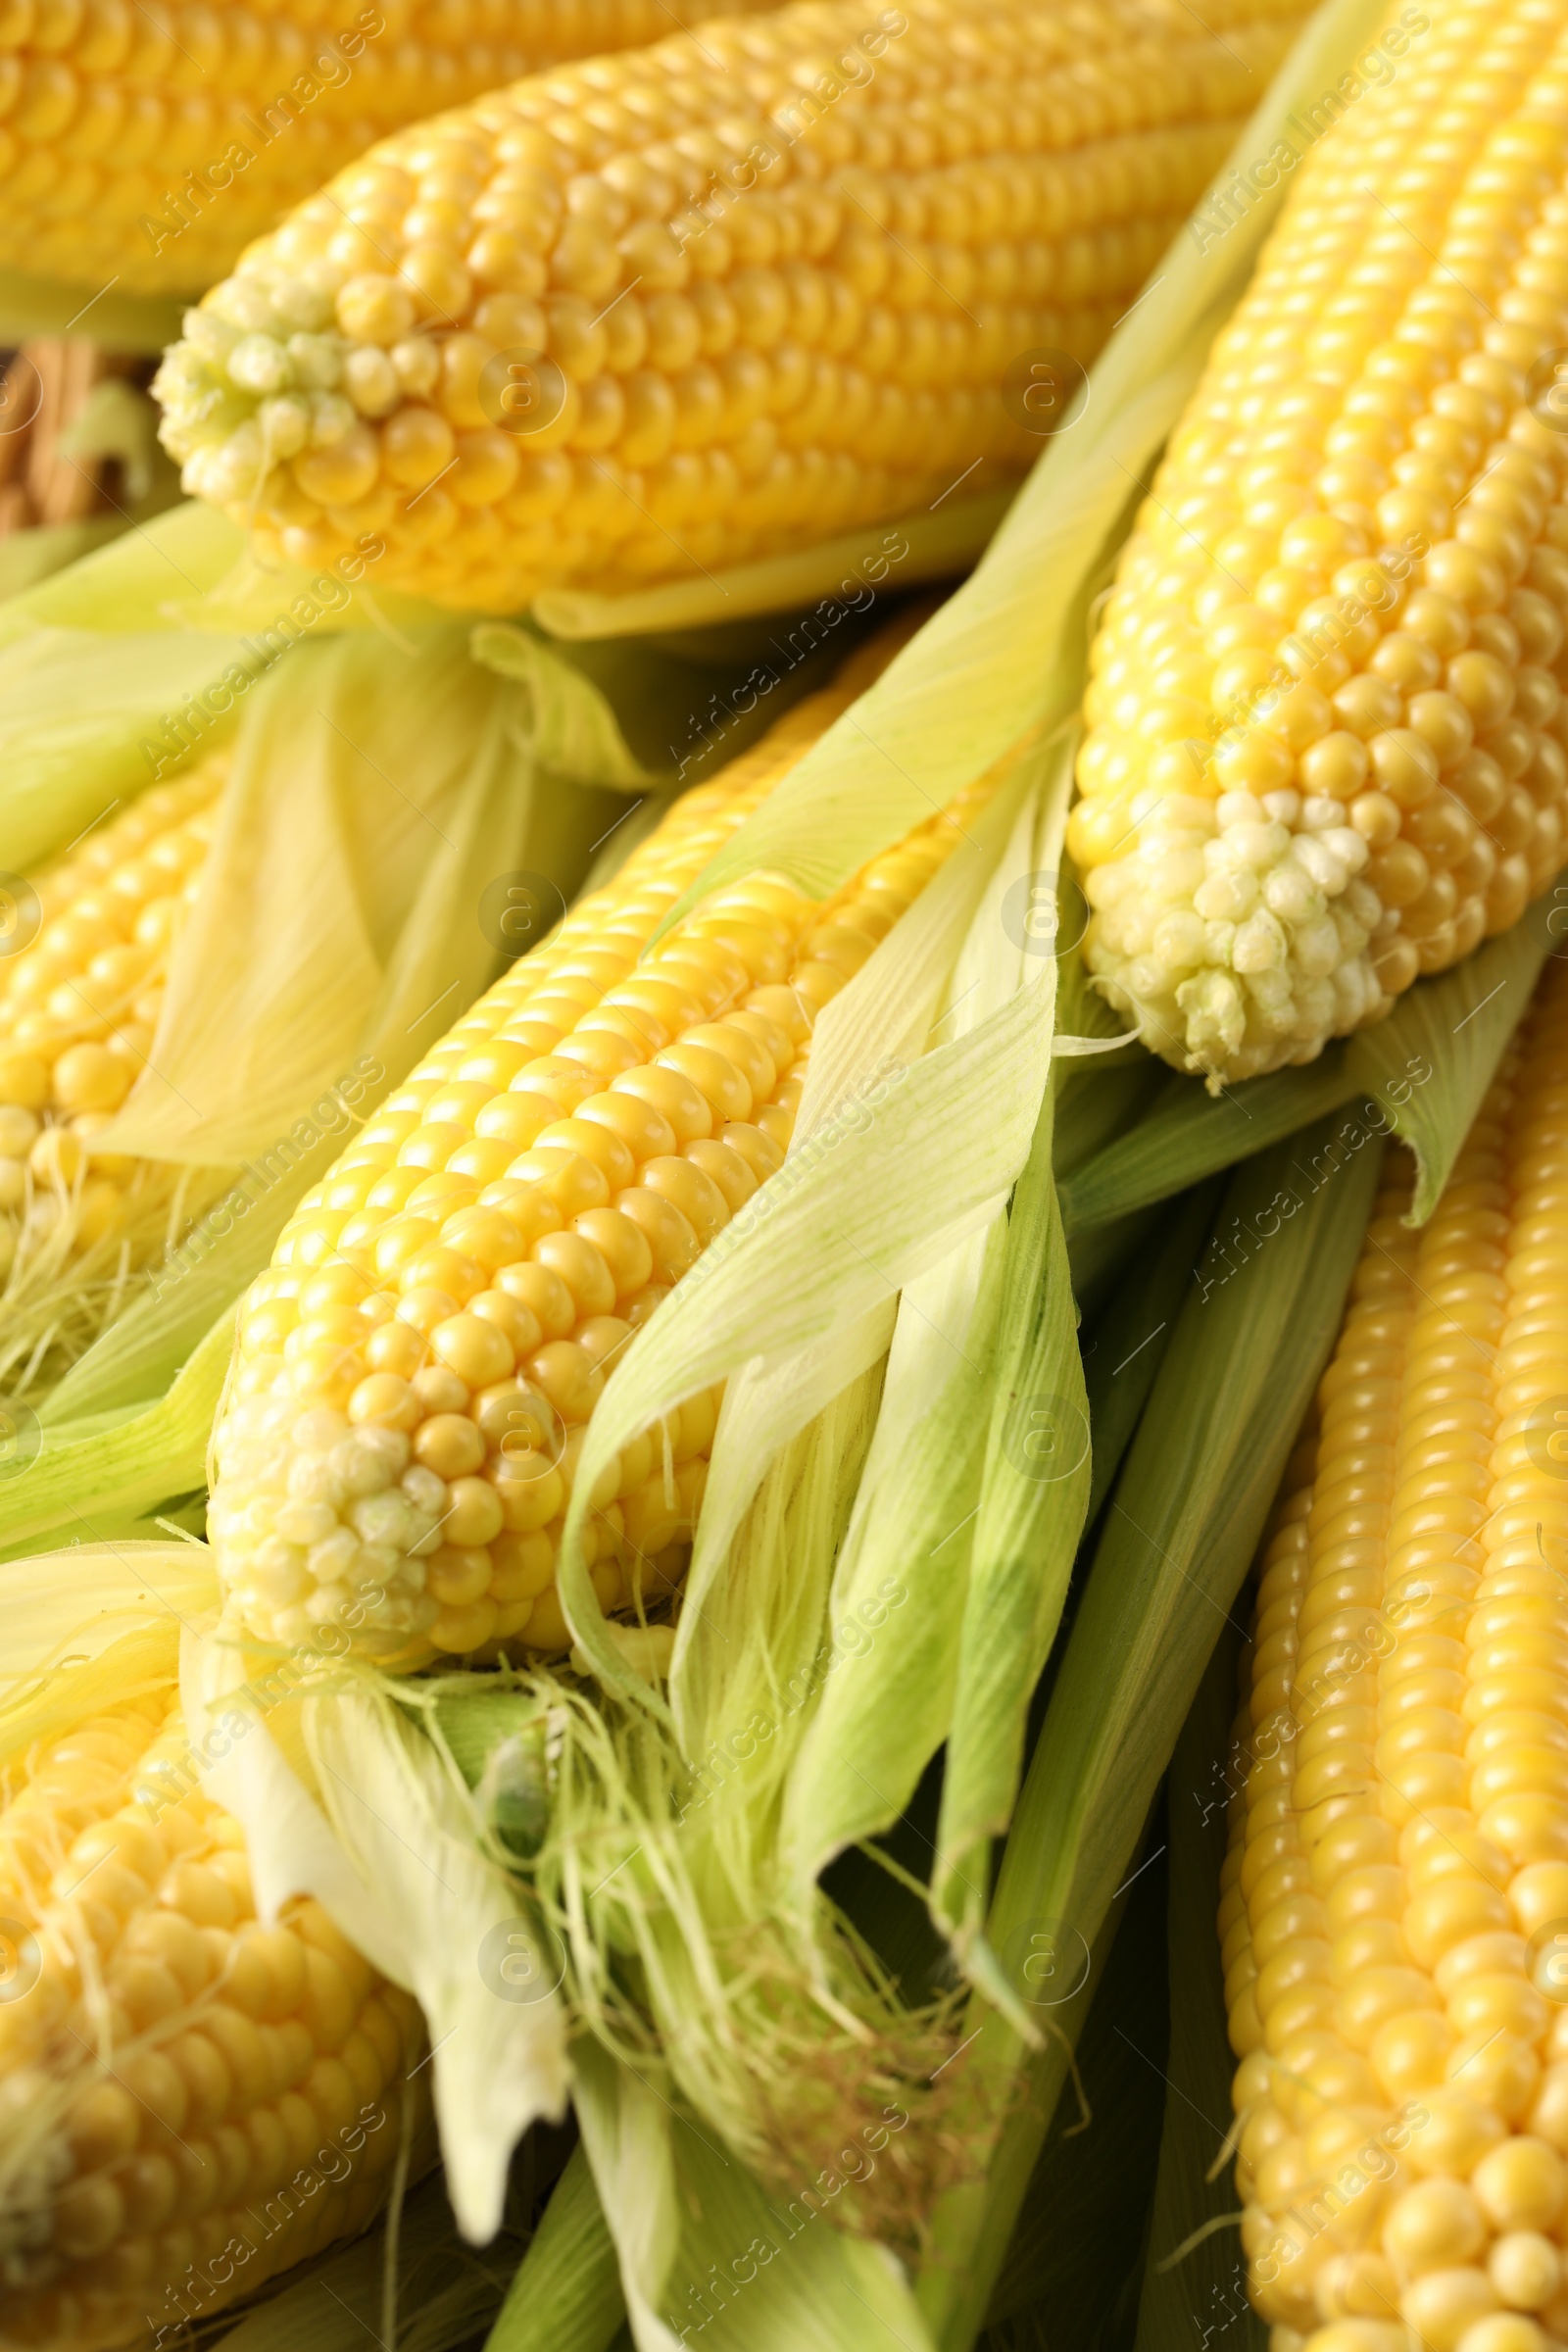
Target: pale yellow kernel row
[[1395, 1906]]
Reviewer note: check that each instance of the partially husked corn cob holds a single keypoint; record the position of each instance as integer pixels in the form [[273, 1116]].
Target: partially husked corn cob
[[149, 146], [79, 1008], [726, 295], [1325, 747], [189, 2102], [416, 1372], [1394, 1910]]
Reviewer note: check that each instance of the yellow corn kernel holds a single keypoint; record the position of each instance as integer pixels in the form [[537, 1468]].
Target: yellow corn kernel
[[415, 1371], [1324, 749], [725, 295], [81, 991], [1396, 1911], [150, 155], [189, 2102]]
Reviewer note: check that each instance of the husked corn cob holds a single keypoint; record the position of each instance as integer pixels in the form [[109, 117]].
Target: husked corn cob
[[148, 146], [78, 1008], [1395, 1911], [725, 295], [1325, 747], [416, 1372], [189, 2102]]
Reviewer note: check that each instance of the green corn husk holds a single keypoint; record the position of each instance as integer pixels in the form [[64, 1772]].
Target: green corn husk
[[1182, 1524], [567, 2291], [921, 547], [1125, 1346], [1197, 2276], [1084, 2231]]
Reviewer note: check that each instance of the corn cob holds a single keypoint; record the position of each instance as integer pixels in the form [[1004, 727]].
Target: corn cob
[[730, 294], [1395, 1901], [79, 1002], [189, 2102], [416, 1372], [148, 149], [1324, 748]]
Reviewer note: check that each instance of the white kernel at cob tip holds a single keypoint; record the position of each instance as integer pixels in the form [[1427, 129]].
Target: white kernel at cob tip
[[1344, 598]]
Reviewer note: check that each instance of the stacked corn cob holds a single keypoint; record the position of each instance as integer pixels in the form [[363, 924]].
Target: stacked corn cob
[[146, 151], [1325, 747], [728, 294], [416, 1372], [81, 995], [189, 2102], [1396, 1894]]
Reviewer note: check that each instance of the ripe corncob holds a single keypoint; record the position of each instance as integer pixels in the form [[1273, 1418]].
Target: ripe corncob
[[1325, 747], [739, 355], [118, 119], [79, 1008], [189, 2102], [415, 1371], [1395, 1900]]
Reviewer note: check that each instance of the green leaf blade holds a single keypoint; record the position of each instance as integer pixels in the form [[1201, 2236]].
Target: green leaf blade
[[1182, 1528]]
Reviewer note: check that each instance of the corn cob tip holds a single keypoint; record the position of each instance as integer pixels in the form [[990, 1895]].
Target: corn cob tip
[[1325, 729]]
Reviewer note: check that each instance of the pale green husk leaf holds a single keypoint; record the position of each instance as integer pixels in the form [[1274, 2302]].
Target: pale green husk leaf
[[88, 1470], [75, 713], [38, 550], [190, 569], [920, 1500], [374, 792], [128, 586], [861, 1053], [86, 1626], [1182, 1526], [390, 1851], [566, 2289], [1034, 1489], [1432, 1071], [701, 2245], [931, 545]]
